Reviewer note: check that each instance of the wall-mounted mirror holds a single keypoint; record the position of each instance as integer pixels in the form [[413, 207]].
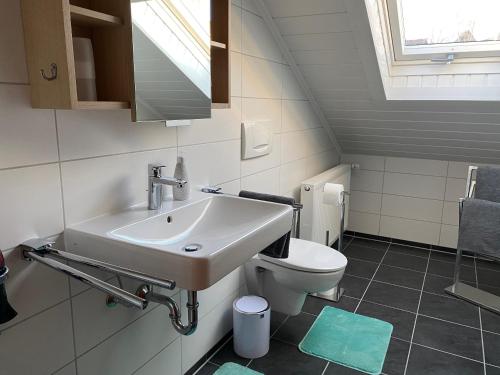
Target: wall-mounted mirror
[[171, 53]]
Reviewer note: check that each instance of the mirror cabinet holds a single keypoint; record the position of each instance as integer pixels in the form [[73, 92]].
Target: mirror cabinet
[[163, 59]]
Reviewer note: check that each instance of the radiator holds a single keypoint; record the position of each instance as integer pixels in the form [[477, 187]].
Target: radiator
[[321, 222]]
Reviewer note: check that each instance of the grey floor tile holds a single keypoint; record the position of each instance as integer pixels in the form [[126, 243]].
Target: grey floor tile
[[277, 319], [364, 253], [368, 243], [409, 250], [393, 296], [492, 370], [437, 284], [449, 308], [395, 360], [488, 264], [492, 348], [354, 286], [335, 369], [314, 305], [490, 321], [424, 361], [295, 328], [405, 261], [447, 269], [227, 354], [399, 276], [401, 320], [450, 258], [361, 268], [208, 369], [488, 277], [286, 359], [448, 337]]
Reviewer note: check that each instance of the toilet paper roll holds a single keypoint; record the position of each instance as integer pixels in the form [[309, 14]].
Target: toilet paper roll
[[332, 194]]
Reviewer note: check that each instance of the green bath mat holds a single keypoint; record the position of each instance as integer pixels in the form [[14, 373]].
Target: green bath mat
[[231, 368], [351, 340]]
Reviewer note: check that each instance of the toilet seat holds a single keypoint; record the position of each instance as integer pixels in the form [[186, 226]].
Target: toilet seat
[[310, 257]]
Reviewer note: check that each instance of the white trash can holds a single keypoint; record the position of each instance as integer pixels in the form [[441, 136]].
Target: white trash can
[[251, 326]]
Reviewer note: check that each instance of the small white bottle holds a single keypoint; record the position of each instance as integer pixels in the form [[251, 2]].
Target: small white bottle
[[181, 193]]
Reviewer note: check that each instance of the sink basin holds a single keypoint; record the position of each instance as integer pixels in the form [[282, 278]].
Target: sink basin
[[194, 243]]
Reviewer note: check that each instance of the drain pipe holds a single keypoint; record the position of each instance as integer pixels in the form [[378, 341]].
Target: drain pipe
[[147, 293]]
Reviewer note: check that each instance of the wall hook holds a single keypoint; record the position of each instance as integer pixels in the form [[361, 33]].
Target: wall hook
[[53, 72]]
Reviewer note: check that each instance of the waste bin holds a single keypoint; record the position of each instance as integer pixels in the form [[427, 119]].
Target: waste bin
[[251, 326]]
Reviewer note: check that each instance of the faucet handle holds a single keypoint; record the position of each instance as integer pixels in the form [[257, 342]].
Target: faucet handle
[[155, 169]]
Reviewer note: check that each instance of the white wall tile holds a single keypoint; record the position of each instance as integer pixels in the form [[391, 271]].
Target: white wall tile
[[167, 362], [363, 222], [449, 236], [458, 169], [292, 175], [214, 326], [225, 124], [27, 135], [210, 298], [204, 162], [32, 287], [236, 27], [67, 370], [94, 187], [261, 78], [268, 110], [231, 187], [40, 345], [410, 230], [31, 204], [298, 115], [130, 348], [363, 180], [236, 74], [369, 162], [365, 202], [12, 64], [257, 40], [412, 208], [84, 134], [267, 181], [414, 185], [416, 166], [291, 88], [455, 189], [450, 213], [95, 322]]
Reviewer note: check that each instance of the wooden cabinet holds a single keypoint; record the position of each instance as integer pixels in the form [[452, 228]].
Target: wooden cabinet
[[49, 28]]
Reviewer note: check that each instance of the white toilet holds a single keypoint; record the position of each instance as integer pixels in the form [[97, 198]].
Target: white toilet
[[309, 268]]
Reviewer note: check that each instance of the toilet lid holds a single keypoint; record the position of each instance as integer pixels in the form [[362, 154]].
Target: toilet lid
[[310, 257]]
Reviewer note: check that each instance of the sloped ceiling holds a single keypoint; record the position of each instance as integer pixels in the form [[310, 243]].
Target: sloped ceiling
[[331, 43]]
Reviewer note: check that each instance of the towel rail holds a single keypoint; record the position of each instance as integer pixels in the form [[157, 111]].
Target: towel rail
[[458, 289]]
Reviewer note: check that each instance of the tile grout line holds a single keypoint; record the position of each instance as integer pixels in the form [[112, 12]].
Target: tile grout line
[[416, 316], [371, 280]]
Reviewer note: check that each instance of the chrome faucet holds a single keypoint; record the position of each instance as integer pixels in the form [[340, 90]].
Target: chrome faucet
[[155, 182]]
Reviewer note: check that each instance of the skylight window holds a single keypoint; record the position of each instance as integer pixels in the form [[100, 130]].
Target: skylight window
[[444, 30]]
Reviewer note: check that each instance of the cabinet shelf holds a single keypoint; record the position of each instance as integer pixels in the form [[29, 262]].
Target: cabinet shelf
[[87, 17], [102, 105]]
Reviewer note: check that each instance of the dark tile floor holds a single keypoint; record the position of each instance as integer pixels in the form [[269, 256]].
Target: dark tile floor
[[434, 333]]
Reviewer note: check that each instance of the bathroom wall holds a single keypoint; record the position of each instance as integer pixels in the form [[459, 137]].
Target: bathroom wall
[[58, 168], [409, 199]]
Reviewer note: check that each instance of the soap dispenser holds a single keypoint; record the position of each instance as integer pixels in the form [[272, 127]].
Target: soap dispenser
[[181, 193]]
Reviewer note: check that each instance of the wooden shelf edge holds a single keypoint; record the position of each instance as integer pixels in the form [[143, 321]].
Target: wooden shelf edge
[[102, 105], [221, 105], [84, 16], [215, 44]]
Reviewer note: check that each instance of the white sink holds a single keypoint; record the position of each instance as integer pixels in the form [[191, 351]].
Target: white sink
[[194, 243]]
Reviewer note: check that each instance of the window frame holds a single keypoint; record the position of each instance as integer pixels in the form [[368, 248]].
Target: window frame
[[460, 51]]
